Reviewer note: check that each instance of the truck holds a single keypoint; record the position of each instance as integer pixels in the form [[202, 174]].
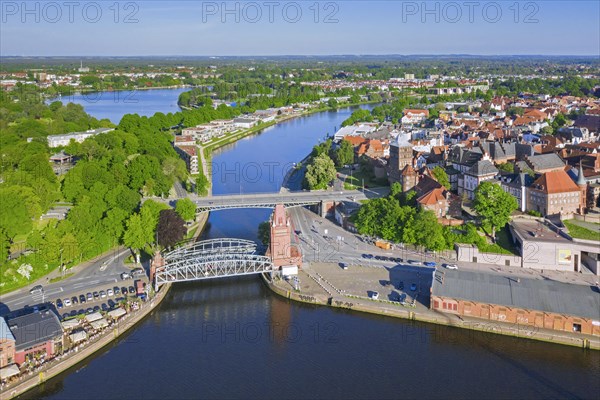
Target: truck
[[383, 245]]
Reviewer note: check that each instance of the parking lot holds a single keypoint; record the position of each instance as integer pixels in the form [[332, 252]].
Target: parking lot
[[391, 281], [89, 300]]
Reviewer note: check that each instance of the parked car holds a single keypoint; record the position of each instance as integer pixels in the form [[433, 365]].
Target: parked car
[[102, 294], [82, 299], [413, 287], [131, 290], [451, 266], [375, 295], [67, 302], [117, 290], [37, 289], [96, 295], [124, 290], [74, 300], [59, 304], [89, 297], [110, 293], [429, 264], [343, 265]]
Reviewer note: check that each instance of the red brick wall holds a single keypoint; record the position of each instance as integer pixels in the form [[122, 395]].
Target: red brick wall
[[513, 315]]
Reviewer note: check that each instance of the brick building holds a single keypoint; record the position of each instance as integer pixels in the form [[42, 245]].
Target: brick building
[[523, 301], [7, 345], [555, 193], [37, 334]]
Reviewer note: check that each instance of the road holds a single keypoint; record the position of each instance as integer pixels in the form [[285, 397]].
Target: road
[[101, 274]]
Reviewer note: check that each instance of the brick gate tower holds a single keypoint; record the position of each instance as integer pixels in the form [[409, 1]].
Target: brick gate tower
[[281, 250]]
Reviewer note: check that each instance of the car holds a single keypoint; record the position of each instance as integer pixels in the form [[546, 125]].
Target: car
[[375, 295], [74, 300], [429, 264], [110, 293], [124, 290], [451, 266], [131, 290], [96, 295], [125, 276], [117, 290], [37, 289], [89, 310], [378, 258], [89, 297], [138, 272], [343, 265], [59, 304], [401, 285], [82, 299], [102, 294], [67, 302], [413, 287]]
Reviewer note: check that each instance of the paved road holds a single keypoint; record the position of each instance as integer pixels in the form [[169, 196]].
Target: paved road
[[100, 274]]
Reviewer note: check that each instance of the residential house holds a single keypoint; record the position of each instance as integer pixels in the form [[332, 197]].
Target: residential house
[[482, 170], [542, 163], [189, 154], [441, 202], [516, 185], [412, 116]]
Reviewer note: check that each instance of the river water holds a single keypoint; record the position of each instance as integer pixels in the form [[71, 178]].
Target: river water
[[233, 338]]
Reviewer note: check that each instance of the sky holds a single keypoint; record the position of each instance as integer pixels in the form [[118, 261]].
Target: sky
[[280, 27]]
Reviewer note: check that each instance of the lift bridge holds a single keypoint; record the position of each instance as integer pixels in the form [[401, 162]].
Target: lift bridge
[[208, 259]]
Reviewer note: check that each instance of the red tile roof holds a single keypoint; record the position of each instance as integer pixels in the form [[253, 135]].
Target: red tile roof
[[555, 182]]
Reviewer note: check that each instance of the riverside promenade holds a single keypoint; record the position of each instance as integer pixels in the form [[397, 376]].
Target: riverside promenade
[[328, 284], [62, 363]]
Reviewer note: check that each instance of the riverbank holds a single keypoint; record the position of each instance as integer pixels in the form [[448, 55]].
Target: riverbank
[[61, 365], [209, 148], [316, 289]]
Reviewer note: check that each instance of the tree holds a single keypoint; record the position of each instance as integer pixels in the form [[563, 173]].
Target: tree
[[186, 209], [135, 236], [202, 184], [264, 232], [4, 246], [14, 217], [170, 229], [441, 176], [344, 154], [494, 205], [507, 167], [320, 172]]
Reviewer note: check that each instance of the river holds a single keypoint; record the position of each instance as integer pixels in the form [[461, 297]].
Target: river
[[233, 338]]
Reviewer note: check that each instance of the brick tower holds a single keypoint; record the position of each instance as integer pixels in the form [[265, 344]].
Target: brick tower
[[281, 250]]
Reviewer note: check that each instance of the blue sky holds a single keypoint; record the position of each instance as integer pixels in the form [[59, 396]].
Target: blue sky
[[294, 27]]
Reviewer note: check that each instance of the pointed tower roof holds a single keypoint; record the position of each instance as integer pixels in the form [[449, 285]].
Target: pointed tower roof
[[580, 178]]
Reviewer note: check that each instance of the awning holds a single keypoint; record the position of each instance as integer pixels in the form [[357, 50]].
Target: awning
[[93, 317], [70, 324], [99, 324], [117, 313], [9, 371], [78, 336]]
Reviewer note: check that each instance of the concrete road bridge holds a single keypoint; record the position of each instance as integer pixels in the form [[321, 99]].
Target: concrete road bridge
[[287, 199]]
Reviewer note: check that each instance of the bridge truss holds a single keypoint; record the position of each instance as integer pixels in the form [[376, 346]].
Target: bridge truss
[[210, 266], [201, 206], [211, 246], [209, 259]]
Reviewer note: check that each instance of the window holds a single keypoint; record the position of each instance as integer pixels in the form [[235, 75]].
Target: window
[[576, 327]]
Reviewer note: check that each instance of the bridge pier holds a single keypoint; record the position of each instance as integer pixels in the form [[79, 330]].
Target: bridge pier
[[326, 207], [281, 250]]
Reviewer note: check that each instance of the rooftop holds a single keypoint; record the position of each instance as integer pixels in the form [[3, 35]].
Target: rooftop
[[34, 328], [531, 294]]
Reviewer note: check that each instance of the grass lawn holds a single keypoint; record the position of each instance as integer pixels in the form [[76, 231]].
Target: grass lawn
[[503, 245], [356, 181], [579, 232]]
